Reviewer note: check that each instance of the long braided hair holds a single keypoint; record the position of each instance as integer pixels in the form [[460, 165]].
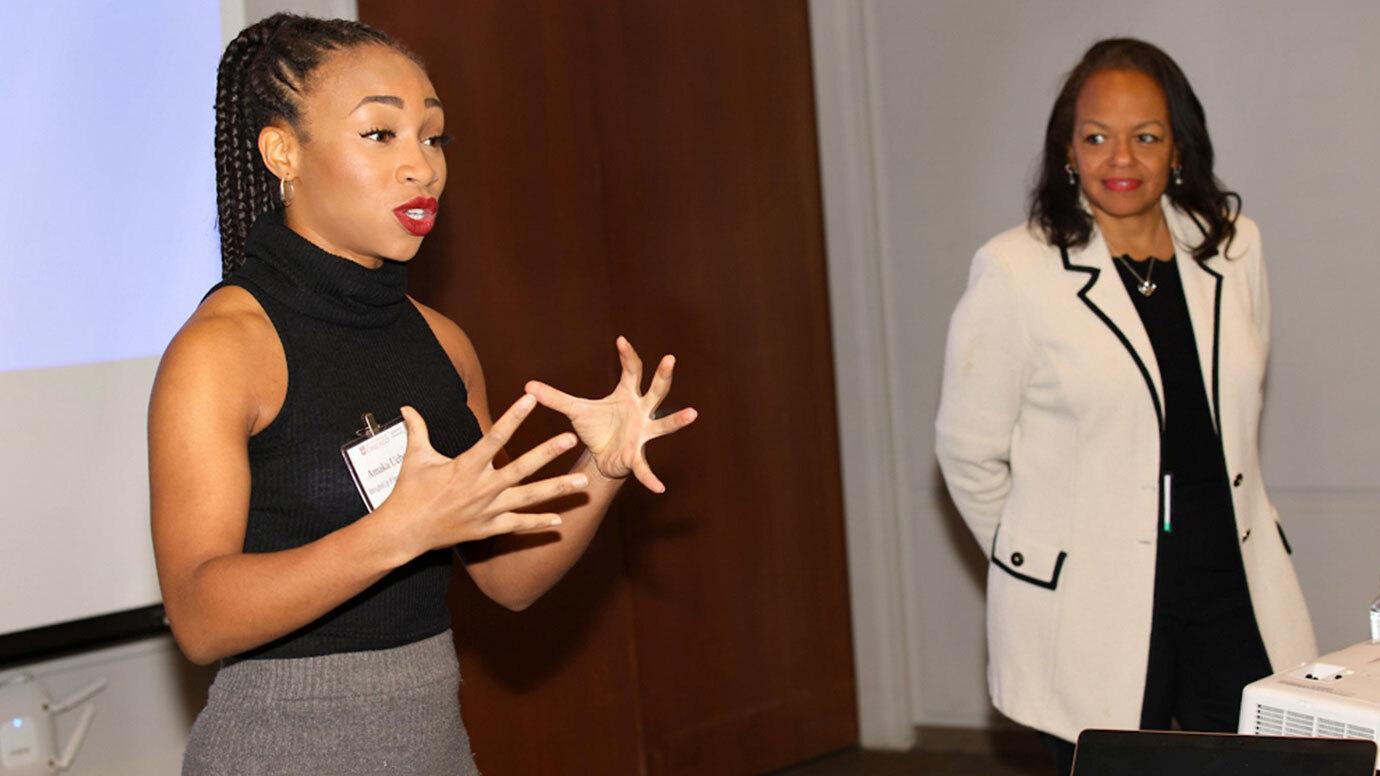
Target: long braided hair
[[1054, 204], [261, 80]]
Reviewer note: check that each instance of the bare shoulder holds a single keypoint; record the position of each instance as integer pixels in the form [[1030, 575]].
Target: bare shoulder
[[455, 342], [229, 310], [227, 356], [229, 328]]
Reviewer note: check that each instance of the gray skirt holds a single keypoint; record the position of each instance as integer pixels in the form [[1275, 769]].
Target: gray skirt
[[391, 711]]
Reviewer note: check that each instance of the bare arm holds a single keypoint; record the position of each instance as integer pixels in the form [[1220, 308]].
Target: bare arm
[[513, 570], [222, 380]]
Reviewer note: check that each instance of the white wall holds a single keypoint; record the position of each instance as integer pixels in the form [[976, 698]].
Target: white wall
[[143, 716], [931, 115]]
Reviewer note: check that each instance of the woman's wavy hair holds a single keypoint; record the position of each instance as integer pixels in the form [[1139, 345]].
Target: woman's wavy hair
[[261, 80], [1055, 208]]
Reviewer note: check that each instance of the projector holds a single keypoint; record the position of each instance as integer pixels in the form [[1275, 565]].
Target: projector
[[1336, 696], [28, 726]]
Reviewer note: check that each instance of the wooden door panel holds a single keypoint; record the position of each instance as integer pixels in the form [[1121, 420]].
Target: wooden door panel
[[716, 245], [649, 168], [517, 260]]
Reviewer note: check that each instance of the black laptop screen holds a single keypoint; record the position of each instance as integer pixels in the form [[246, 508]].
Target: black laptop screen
[[1143, 753]]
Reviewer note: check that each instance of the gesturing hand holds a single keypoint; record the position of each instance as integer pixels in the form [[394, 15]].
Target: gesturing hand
[[451, 500], [616, 427]]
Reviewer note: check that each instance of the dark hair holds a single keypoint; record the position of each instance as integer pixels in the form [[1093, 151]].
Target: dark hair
[[1054, 204], [261, 80]]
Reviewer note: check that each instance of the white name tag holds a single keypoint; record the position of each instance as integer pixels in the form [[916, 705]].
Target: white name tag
[[375, 459]]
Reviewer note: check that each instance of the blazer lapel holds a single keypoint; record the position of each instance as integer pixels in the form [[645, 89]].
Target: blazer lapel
[[1203, 293], [1105, 295]]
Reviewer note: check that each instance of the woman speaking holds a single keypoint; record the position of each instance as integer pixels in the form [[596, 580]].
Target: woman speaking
[[323, 594], [1098, 427]]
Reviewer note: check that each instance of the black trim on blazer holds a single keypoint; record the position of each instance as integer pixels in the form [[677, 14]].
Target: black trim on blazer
[[1216, 391], [1036, 581], [1093, 272], [1283, 538], [1216, 354], [1216, 348], [1216, 322]]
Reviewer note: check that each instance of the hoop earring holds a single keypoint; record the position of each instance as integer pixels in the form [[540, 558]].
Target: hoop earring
[[285, 191], [1178, 171], [1073, 174]]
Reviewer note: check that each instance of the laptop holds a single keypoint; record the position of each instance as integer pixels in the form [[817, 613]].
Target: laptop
[[1155, 753]]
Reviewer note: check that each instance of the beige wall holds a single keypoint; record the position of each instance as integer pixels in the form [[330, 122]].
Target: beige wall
[[931, 115]]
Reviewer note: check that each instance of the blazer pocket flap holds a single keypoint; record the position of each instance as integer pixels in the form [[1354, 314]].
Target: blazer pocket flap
[[1028, 560]]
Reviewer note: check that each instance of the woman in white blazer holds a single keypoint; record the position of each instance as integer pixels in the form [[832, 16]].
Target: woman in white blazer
[[1098, 427]]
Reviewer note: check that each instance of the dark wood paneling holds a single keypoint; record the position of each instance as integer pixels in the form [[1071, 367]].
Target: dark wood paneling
[[716, 245], [649, 168], [517, 260]]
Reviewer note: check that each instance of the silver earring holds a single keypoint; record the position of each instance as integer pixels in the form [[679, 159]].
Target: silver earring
[[285, 191], [1073, 174], [1178, 171]]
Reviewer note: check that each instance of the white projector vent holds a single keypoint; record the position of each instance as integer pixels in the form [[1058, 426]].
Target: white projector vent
[[1274, 721], [1336, 696], [1269, 721]]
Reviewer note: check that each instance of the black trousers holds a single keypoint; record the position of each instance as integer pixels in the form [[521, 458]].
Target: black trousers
[[1205, 647], [1200, 658]]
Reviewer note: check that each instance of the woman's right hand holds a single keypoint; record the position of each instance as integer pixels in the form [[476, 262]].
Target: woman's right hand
[[440, 501]]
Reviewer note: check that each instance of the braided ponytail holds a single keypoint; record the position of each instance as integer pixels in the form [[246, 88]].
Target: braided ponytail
[[261, 79]]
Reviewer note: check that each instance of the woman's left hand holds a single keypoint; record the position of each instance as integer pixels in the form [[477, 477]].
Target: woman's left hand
[[618, 426]]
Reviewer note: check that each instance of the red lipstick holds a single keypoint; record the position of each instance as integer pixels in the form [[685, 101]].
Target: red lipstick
[[1121, 184], [417, 215]]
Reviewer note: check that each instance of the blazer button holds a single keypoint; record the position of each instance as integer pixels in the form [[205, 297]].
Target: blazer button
[[1017, 559], [1246, 536], [1236, 482]]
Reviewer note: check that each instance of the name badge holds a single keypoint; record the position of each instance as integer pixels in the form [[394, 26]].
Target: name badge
[[374, 458]]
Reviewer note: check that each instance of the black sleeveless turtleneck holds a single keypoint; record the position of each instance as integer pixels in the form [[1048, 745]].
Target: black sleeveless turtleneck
[[354, 343]]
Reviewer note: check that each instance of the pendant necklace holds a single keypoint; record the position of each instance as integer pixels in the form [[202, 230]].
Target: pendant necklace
[[1145, 286]]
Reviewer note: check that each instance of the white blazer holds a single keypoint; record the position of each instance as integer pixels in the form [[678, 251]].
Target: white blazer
[[1049, 439]]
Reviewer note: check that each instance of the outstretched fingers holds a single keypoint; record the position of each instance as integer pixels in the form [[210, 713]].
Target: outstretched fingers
[[418, 439], [540, 492], [551, 398], [503, 429], [643, 472], [514, 522], [661, 381], [417, 435], [632, 364], [533, 460], [672, 423]]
